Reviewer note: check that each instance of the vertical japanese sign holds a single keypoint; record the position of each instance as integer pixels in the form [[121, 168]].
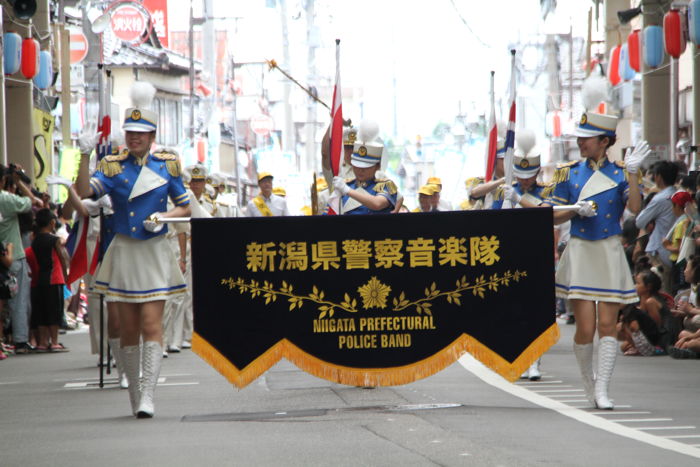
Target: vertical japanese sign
[[43, 147], [159, 16], [374, 300]]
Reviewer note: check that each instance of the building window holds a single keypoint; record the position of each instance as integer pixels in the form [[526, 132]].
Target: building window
[[169, 121]]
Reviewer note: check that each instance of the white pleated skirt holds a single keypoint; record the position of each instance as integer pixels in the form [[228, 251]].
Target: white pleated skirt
[[138, 271], [595, 270]]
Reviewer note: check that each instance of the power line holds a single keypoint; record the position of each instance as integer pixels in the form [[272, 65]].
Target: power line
[[464, 21]]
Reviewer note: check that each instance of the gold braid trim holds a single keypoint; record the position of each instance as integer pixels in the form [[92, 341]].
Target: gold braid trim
[[386, 186], [111, 165], [548, 190], [172, 163]]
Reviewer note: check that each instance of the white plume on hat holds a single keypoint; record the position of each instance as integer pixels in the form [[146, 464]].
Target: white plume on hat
[[369, 130], [594, 90], [142, 94], [525, 139]]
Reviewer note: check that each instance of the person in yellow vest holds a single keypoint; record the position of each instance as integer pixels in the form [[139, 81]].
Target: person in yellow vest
[[267, 204], [439, 203], [425, 198], [471, 203]]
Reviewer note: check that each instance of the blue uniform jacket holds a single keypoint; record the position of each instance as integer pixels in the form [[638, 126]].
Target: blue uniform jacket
[[138, 191], [385, 188], [571, 179]]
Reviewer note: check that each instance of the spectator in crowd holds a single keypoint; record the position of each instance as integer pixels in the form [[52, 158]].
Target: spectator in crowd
[[674, 237], [687, 304], [48, 261], [659, 210], [641, 328], [11, 207], [7, 288]]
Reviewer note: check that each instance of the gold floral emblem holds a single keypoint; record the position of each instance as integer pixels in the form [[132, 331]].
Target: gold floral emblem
[[584, 119], [374, 294], [524, 164], [362, 151], [136, 115]]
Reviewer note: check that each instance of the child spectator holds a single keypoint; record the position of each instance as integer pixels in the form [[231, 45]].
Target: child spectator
[[687, 305], [642, 329], [674, 237], [49, 263]]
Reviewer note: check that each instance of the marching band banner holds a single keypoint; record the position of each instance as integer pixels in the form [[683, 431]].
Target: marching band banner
[[374, 300]]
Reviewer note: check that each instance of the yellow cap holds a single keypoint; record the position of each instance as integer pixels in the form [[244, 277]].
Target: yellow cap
[[436, 188], [428, 190], [262, 175], [473, 181], [279, 191], [306, 210], [434, 181]]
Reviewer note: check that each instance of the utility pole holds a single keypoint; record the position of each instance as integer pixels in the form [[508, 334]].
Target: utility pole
[[312, 43], [288, 136]]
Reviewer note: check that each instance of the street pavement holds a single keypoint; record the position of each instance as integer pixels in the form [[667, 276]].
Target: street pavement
[[52, 413]]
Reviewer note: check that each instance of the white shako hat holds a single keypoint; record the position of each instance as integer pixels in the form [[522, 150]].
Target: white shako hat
[[140, 117], [368, 148], [526, 160], [596, 125]]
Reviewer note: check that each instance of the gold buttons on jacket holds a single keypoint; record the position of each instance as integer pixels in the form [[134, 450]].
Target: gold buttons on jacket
[[131, 213], [133, 229], [607, 216], [582, 230]]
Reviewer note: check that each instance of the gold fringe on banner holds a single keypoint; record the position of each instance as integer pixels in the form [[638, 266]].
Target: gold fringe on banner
[[376, 376]]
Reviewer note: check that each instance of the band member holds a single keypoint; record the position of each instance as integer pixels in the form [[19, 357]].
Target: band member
[[365, 194], [425, 198], [593, 268], [267, 204], [139, 270]]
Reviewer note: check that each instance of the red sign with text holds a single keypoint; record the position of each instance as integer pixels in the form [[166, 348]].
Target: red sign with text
[[159, 18], [128, 23]]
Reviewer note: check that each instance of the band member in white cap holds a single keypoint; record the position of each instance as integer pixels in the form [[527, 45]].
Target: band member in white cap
[[365, 194], [139, 270], [593, 268]]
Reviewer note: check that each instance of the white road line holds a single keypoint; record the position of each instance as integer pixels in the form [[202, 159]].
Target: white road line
[[689, 427], [682, 436], [9, 382], [480, 371], [559, 390], [637, 420], [619, 412]]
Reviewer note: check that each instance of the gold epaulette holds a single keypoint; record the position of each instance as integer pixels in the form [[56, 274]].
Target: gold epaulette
[[543, 184], [387, 186], [498, 194], [548, 190], [172, 162], [562, 172], [621, 165], [111, 165]]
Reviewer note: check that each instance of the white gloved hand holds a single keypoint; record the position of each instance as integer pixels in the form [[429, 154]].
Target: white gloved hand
[[340, 185], [511, 195], [58, 180], [87, 140], [635, 157], [585, 209], [152, 224]]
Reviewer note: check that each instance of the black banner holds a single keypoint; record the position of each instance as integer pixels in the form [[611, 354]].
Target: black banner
[[374, 300]]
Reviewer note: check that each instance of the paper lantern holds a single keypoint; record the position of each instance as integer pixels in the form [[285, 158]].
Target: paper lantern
[[626, 71], [30, 58], [12, 52], [614, 66], [653, 46], [43, 78], [674, 36], [633, 50], [694, 21]]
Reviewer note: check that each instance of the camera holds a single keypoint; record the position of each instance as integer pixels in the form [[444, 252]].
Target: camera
[[12, 169]]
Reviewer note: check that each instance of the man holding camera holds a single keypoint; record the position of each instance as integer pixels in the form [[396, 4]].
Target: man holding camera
[[14, 180]]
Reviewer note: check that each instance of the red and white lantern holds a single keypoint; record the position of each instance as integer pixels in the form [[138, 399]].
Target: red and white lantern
[[674, 33], [634, 50], [30, 58]]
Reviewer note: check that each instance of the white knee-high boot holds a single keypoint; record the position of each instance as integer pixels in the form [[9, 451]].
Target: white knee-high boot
[[607, 353], [115, 345], [131, 359], [584, 357], [151, 360]]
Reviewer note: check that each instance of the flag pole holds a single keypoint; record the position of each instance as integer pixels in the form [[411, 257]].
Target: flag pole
[[491, 146], [510, 133]]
